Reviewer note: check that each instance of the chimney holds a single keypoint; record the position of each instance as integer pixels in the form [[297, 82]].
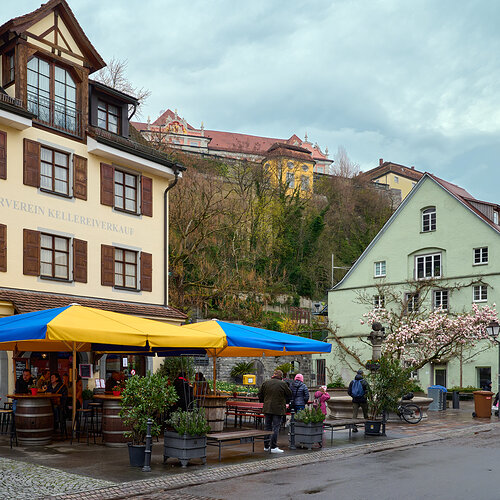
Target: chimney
[[380, 162], [412, 167]]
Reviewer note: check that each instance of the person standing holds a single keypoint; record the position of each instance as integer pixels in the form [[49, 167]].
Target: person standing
[[300, 393], [274, 393], [358, 390]]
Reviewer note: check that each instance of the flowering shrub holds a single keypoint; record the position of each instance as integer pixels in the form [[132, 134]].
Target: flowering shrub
[[437, 335]]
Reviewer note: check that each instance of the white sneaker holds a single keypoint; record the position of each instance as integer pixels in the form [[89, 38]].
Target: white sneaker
[[266, 449], [276, 450]]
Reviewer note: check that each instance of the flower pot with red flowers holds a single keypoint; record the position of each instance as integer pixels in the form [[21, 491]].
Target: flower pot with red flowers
[[117, 390], [33, 391]]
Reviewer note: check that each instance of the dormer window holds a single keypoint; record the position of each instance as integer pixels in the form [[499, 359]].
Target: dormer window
[[429, 219], [495, 218], [108, 117], [52, 95]]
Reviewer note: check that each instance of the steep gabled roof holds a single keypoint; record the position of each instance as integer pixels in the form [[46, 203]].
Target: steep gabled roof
[[280, 149], [21, 24], [457, 192]]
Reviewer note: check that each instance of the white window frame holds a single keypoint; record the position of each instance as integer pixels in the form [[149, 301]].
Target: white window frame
[[495, 217], [429, 219], [396, 179], [480, 293], [480, 256], [304, 183], [412, 301], [433, 257], [379, 269], [290, 180], [378, 302], [443, 298]]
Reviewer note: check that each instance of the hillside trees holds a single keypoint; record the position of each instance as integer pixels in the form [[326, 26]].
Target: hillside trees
[[237, 239]]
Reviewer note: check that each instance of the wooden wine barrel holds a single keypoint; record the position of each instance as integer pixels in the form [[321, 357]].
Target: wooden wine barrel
[[34, 421], [112, 424], [215, 411]]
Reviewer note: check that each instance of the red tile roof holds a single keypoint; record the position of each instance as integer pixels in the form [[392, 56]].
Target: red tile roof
[[234, 142], [28, 301], [396, 168], [279, 149]]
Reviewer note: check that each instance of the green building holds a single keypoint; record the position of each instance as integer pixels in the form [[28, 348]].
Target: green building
[[440, 249]]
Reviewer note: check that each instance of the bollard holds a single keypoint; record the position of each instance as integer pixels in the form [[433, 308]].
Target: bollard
[[292, 430], [455, 398], [149, 445]]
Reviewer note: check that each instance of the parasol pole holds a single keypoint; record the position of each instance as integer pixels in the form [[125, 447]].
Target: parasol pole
[[73, 411], [214, 358]]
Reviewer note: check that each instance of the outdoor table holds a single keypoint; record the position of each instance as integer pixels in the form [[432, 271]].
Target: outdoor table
[[244, 409], [112, 424], [34, 418]]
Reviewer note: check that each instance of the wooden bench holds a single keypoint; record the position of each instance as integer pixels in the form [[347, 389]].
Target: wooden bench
[[342, 424], [235, 438]]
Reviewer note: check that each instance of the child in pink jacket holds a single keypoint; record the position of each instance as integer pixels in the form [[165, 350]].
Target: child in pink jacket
[[322, 397]]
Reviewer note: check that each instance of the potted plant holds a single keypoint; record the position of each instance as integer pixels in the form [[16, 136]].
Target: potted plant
[[143, 398], [187, 439], [33, 389], [387, 385], [117, 390], [309, 427]]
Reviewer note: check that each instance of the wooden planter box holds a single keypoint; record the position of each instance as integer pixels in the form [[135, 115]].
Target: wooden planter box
[[308, 434], [184, 447]]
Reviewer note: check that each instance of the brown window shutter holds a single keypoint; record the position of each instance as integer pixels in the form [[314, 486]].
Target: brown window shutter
[[31, 252], [107, 185], [3, 155], [31, 172], [80, 177], [107, 265], [80, 261], [147, 196], [3, 247], [146, 272]]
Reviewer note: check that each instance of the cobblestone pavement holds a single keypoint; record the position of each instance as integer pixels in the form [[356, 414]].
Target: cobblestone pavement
[[22, 480]]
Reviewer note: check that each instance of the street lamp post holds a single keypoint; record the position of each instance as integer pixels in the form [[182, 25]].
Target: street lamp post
[[493, 329]]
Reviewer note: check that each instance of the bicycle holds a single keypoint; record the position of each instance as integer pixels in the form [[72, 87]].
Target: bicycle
[[409, 412]]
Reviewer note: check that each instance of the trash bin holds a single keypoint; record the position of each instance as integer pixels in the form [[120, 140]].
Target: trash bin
[[438, 394], [482, 404]]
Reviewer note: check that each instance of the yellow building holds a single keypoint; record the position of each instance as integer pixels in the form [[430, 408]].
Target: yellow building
[[291, 167], [83, 207], [394, 177]]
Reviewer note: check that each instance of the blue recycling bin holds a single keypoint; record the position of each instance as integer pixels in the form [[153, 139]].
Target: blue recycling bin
[[438, 394]]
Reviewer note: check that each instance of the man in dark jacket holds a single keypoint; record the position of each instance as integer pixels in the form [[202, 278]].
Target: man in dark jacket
[[274, 393], [24, 382], [358, 396]]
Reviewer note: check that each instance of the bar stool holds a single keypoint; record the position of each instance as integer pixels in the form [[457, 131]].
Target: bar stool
[[96, 416], [84, 424], [8, 425]]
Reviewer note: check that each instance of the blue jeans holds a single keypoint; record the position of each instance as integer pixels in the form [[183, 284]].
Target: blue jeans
[[272, 423]]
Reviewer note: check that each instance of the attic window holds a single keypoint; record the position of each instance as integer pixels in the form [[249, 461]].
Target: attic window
[[305, 167], [495, 218], [429, 219], [290, 165], [108, 117]]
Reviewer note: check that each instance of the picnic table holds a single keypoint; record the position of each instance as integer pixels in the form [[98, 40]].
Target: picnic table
[[240, 409]]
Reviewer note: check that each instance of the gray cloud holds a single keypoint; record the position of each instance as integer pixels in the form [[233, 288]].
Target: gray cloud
[[412, 82]]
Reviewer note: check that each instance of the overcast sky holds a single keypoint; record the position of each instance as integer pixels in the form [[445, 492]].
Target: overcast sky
[[416, 83]]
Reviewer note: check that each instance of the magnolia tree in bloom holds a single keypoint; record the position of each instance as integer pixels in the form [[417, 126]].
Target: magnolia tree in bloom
[[434, 336]]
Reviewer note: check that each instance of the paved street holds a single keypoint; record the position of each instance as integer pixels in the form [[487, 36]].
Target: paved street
[[460, 468]]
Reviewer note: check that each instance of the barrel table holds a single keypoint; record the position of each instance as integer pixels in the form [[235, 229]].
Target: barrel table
[[215, 411], [34, 418], [112, 424]]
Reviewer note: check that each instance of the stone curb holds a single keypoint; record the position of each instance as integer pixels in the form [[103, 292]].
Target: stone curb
[[151, 486]]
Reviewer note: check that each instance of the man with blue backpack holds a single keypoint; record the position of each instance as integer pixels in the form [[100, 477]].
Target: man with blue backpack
[[358, 390]]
